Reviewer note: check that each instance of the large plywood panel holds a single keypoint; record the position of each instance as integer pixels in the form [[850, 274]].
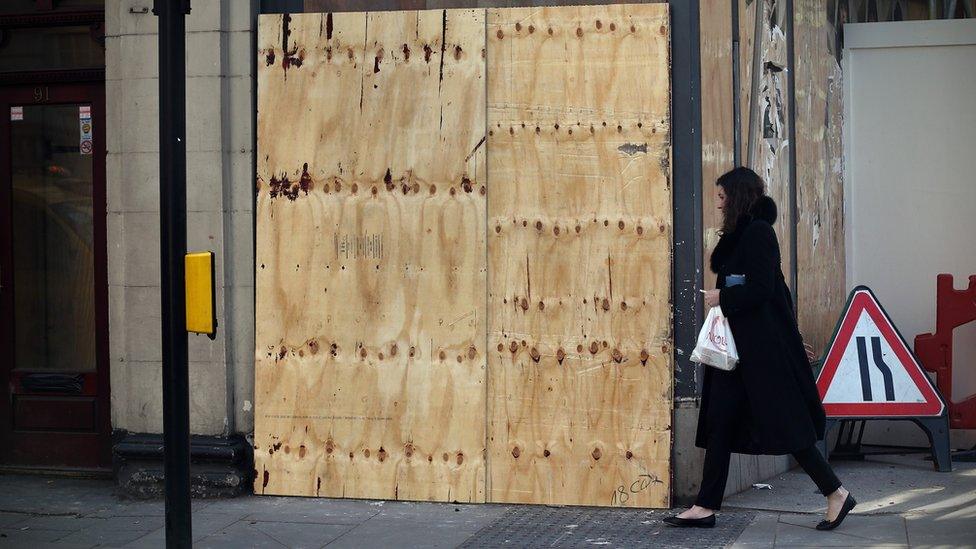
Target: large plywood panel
[[370, 327], [771, 155], [821, 289], [579, 244], [765, 117], [767, 126], [718, 145]]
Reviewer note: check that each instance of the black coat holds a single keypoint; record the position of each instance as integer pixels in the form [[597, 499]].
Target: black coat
[[783, 412]]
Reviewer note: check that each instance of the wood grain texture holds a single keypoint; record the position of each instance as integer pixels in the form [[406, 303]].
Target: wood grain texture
[[382, 5], [771, 157], [770, 123], [718, 146], [371, 320], [819, 161], [580, 336], [770, 126]]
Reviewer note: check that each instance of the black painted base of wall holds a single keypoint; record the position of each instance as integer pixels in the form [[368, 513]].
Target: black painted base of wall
[[220, 467]]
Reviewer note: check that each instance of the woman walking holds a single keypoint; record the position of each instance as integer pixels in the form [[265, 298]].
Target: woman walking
[[769, 403]]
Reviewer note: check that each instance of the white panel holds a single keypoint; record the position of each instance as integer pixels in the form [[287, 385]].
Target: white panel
[[910, 134]]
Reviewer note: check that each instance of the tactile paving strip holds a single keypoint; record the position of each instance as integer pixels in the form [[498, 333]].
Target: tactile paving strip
[[538, 526]]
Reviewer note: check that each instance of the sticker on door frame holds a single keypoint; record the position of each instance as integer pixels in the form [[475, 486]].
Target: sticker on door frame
[[85, 145]]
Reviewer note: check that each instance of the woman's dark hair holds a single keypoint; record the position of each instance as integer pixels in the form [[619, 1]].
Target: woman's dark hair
[[743, 187]]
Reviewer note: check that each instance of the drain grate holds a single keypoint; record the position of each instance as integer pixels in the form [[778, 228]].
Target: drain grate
[[537, 526]]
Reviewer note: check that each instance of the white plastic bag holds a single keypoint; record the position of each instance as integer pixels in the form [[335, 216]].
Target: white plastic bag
[[715, 346]]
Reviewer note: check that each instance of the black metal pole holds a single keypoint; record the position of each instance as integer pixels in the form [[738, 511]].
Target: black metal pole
[[794, 196], [686, 175], [172, 249]]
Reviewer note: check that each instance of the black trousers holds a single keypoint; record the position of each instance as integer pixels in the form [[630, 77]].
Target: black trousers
[[716, 472], [724, 419]]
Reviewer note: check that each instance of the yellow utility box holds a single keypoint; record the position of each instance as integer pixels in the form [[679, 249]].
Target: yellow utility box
[[200, 298]]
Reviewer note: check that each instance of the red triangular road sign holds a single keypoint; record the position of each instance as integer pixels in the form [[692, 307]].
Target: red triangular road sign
[[870, 370]]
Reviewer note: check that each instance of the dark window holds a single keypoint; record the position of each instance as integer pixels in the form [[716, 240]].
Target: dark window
[[82, 4], [51, 48], [31, 7], [18, 6], [53, 246]]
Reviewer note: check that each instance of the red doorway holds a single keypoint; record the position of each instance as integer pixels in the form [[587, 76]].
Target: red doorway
[[54, 382], [54, 379]]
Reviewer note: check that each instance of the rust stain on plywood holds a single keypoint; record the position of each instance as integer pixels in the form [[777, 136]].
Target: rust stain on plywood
[[578, 119], [361, 262]]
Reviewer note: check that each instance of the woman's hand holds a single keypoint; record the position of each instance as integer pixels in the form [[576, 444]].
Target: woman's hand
[[810, 354], [711, 298]]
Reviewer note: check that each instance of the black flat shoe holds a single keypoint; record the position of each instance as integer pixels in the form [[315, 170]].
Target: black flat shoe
[[849, 504], [705, 522]]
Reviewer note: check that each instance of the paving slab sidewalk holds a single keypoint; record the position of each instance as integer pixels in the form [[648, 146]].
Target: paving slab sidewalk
[[902, 502], [40, 512]]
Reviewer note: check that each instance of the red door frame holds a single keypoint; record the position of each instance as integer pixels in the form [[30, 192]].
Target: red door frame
[[45, 449]]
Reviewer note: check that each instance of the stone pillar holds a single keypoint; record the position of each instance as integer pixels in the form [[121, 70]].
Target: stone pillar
[[220, 183]]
